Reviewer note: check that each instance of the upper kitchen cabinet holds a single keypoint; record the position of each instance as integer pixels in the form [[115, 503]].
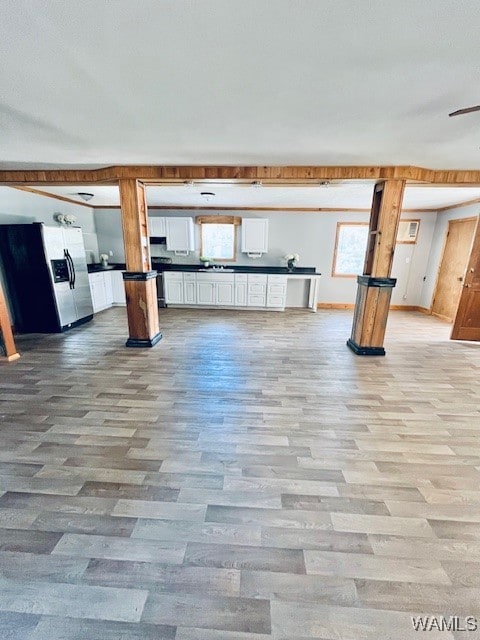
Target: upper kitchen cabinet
[[254, 236], [157, 227], [180, 234]]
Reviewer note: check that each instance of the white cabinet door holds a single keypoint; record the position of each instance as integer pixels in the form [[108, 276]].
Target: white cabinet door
[[189, 288], [255, 235], [108, 288], [206, 293], [225, 293], [97, 289], [118, 288], [241, 280], [241, 294], [180, 234], [173, 283], [157, 227]]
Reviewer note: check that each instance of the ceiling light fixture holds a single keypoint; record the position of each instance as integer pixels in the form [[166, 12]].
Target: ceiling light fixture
[[85, 196], [324, 183], [188, 183], [256, 184], [207, 195]]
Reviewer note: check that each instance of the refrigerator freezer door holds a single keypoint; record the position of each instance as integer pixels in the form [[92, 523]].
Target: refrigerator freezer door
[[73, 243]]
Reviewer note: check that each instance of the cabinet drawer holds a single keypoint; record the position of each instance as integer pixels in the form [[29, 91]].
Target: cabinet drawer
[[277, 289], [256, 300], [277, 279], [275, 300], [258, 289], [257, 278], [173, 276], [189, 277], [241, 277]]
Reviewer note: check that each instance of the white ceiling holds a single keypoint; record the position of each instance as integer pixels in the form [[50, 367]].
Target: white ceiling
[[336, 195], [325, 82]]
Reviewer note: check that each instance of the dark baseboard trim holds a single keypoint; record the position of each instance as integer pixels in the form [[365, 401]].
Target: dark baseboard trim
[[77, 323], [139, 275], [372, 281], [365, 351], [143, 342]]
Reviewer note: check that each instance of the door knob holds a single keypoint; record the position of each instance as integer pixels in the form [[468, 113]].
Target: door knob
[[460, 279]]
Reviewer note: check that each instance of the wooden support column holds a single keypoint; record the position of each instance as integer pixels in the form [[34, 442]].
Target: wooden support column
[[139, 279], [375, 286], [6, 334]]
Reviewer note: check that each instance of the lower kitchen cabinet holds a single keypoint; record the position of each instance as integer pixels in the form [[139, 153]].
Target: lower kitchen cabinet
[[225, 293], [173, 284], [220, 289], [98, 291], [241, 289], [206, 293], [106, 288], [276, 291], [189, 288], [118, 288]]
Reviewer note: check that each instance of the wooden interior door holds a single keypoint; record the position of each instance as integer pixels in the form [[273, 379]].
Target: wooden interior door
[[467, 321], [452, 268]]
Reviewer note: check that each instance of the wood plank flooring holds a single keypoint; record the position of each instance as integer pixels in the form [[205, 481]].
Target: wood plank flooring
[[248, 478]]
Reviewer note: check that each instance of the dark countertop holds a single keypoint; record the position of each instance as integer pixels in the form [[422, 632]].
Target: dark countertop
[[95, 268], [158, 266], [161, 267]]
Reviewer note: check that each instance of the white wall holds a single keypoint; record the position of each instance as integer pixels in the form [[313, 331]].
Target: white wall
[[23, 207], [436, 249], [310, 234]]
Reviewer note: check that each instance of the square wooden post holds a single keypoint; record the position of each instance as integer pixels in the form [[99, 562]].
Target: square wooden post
[[140, 280], [375, 286]]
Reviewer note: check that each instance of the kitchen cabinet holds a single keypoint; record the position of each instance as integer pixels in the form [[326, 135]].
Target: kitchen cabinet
[[106, 288], [256, 290], [98, 291], [157, 227], [254, 235], [206, 293], [118, 288], [225, 289], [107, 279], [225, 293], [180, 234], [276, 291], [241, 289], [189, 288], [173, 284], [215, 289]]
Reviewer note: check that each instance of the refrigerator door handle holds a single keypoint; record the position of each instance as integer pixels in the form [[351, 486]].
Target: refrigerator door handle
[[71, 278], [74, 275]]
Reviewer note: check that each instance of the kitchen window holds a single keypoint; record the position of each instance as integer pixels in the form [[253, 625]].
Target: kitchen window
[[350, 249], [218, 237]]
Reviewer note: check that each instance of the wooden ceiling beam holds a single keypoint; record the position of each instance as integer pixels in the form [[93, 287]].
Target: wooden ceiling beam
[[159, 174]]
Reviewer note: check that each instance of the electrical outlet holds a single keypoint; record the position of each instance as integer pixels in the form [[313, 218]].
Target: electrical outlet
[[110, 253]]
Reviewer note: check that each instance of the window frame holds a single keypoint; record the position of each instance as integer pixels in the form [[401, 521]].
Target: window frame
[[231, 220], [335, 252]]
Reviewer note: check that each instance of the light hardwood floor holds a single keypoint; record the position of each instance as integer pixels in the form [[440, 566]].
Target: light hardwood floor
[[248, 478]]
